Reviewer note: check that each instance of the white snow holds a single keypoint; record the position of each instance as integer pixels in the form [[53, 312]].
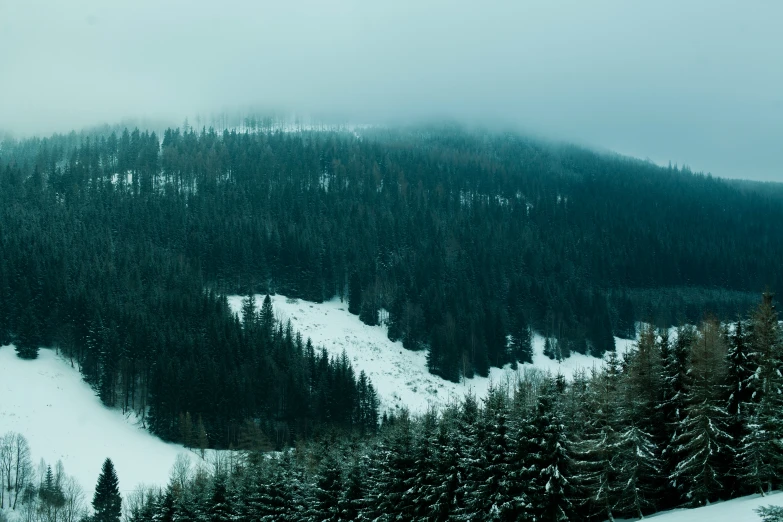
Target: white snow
[[48, 402], [399, 376], [736, 510]]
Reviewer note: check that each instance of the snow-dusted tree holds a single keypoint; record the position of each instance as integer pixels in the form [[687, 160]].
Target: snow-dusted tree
[[498, 493], [220, 509], [760, 454], [426, 477], [326, 491], [637, 465], [637, 458], [395, 472], [464, 444], [674, 357], [701, 445], [552, 490], [353, 497], [738, 376], [592, 458]]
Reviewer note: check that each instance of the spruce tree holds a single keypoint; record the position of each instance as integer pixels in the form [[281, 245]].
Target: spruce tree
[[760, 454], [593, 460], [328, 486], [739, 374], [702, 443], [107, 501], [355, 294], [550, 498], [266, 317], [249, 316]]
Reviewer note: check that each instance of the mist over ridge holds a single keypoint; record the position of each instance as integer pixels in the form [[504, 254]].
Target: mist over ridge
[[694, 84]]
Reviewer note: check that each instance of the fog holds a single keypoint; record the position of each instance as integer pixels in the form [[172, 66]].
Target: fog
[[697, 83]]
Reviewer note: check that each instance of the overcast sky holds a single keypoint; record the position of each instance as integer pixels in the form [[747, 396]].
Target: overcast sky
[[694, 82]]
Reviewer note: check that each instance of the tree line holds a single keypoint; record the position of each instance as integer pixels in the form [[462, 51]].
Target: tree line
[[679, 420]]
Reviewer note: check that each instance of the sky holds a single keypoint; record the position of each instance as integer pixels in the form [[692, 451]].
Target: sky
[[697, 83]]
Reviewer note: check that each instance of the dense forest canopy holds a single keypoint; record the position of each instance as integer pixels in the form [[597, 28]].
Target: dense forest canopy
[[119, 247], [685, 418]]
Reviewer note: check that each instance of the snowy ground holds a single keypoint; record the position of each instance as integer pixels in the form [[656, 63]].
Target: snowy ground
[[48, 402], [400, 376], [736, 510]]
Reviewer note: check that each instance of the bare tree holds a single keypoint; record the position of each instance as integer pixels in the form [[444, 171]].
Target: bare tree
[[23, 466], [75, 506], [6, 459], [135, 502], [181, 470]]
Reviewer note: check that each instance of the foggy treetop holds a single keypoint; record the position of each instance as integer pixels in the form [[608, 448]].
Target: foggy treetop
[[695, 83]]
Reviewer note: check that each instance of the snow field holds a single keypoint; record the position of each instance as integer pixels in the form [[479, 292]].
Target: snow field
[[735, 510], [48, 402], [399, 375]]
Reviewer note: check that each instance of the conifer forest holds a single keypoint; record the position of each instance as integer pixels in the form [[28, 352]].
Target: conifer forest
[[119, 247]]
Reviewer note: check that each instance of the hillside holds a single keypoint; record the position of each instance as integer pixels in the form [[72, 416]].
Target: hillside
[[400, 375], [465, 239], [47, 401]]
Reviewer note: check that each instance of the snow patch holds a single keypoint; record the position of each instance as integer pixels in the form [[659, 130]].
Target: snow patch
[[399, 375], [735, 510], [48, 402]]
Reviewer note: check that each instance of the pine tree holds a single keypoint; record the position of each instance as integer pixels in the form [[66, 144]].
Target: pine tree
[[353, 497], [637, 465], [739, 374], [355, 294], [673, 400], [219, 506], [592, 456], [497, 494], [760, 453], [702, 444], [637, 461], [107, 501], [266, 318], [328, 486], [249, 316], [552, 492]]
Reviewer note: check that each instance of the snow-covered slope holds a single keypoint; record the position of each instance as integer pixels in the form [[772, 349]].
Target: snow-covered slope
[[46, 401], [400, 376], [736, 510]]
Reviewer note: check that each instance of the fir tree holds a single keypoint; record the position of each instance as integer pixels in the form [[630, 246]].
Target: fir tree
[[760, 453], [355, 294], [329, 484], [249, 316], [107, 501], [266, 318], [739, 374], [219, 507], [702, 443], [552, 493]]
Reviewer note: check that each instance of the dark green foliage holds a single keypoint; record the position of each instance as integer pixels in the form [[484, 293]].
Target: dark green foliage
[[771, 513], [107, 502], [551, 449], [355, 294], [485, 229]]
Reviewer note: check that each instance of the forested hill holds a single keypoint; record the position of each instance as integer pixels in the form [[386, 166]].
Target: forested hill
[[465, 239]]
